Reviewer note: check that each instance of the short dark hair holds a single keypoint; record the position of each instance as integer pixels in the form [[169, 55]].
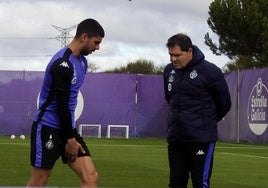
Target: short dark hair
[[180, 39], [91, 27]]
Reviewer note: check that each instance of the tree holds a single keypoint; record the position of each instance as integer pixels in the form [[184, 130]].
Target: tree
[[92, 67], [242, 27], [141, 66]]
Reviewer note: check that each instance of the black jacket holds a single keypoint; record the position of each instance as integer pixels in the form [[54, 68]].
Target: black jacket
[[199, 97]]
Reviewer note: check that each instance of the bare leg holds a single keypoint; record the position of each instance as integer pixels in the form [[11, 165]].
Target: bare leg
[[85, 169], [39, 177]]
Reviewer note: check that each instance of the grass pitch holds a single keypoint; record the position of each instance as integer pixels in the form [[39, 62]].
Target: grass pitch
[[138, 163]]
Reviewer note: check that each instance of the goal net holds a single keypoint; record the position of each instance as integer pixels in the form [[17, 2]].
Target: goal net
[[90, 130], [117, 131]]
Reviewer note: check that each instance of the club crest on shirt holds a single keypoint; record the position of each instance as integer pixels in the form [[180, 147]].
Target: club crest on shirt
[[49, 144], [169, 87], [171, 77], [193, 74], [74, 80]]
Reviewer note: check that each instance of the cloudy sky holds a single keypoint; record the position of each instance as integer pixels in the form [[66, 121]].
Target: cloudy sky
[[134, 29]]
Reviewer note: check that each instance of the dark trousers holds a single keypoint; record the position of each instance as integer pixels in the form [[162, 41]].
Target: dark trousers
[[195, 160]]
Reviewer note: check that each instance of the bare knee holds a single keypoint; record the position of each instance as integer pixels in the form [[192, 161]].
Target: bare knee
[[39, 177], [90, 180], [95, 177], [37, 182]]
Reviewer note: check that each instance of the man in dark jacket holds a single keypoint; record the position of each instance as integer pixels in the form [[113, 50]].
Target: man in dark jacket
[[199, 97]]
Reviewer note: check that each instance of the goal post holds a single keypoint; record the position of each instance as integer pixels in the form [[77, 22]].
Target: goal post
[[116, 131], [90, 130]]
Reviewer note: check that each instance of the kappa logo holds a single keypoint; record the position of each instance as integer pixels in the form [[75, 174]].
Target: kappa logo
[[64, 64], [200, 152]]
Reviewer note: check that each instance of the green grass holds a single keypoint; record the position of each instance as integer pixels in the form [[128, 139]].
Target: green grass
[[138, 163]]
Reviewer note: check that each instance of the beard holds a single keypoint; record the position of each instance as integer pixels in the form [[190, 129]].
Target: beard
[[85, 52]]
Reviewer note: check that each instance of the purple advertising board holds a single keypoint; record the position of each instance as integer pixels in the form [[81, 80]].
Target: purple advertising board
[[104, 99], [253, 95], [137, 101]]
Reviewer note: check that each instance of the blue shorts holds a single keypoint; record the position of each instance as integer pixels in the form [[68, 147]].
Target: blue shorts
[[48, 144]]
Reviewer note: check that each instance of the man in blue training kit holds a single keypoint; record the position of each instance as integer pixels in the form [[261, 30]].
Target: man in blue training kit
[[199, 97], [53, 131]]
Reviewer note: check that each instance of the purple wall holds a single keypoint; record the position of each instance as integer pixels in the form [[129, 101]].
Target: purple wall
[[138, 101], [227, 128], [18, 94], [253, 94], [247, 120], [107, 99]]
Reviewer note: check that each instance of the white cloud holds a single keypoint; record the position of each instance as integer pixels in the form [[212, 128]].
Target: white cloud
[[134, 29]]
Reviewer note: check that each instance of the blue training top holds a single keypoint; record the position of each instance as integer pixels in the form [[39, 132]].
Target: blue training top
[[64, 76]]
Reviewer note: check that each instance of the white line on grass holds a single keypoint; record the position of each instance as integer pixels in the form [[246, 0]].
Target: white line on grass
[[243, 147], [102, 145], [127, 145], [242, 155], [17, 143]]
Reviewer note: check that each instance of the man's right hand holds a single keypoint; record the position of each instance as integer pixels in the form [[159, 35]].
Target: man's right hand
[[72, 148]]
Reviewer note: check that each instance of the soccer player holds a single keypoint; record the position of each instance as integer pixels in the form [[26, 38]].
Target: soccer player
[[199, 97], [53, 131]]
